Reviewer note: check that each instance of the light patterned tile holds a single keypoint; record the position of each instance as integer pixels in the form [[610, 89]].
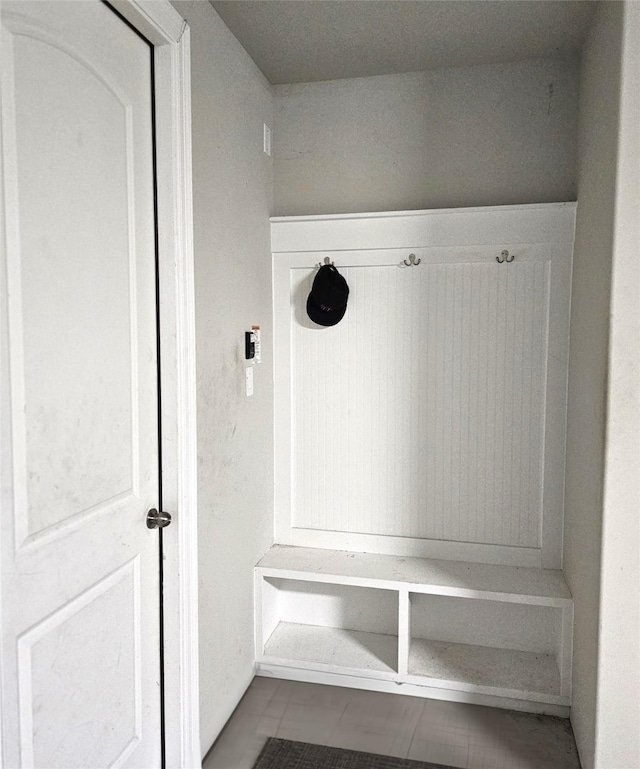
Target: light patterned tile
[[375, 725], [443, 752], [311, 722], [460, 735]]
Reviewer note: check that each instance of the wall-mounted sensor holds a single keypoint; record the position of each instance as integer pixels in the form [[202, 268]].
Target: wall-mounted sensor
[[249, 345]]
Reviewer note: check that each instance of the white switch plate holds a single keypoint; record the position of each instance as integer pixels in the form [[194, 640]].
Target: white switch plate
[[248, 380], [267, 140]]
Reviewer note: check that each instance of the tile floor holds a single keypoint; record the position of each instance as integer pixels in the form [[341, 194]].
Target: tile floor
[[467, 736]]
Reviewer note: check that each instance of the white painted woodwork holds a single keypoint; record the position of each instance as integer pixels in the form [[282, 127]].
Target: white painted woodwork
[[486, 669], [499, 624], [80, 588], [331, 605], [325, 648], [542, 587], [404, 630], [431, 420], [422, 414], [428, 690], [536, 223], [485, 630], [169, 33]]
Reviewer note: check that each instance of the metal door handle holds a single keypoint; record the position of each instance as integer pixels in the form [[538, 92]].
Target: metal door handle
[[156, 520]]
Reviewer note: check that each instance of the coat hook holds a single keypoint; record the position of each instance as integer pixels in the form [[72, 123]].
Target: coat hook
[[412, 261], [505, 257], [325, 262]]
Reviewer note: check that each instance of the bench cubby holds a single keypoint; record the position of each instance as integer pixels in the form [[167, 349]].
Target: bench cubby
[[481, 633], [330, 627]]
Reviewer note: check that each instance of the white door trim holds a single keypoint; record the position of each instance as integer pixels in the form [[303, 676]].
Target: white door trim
[[162, 25]]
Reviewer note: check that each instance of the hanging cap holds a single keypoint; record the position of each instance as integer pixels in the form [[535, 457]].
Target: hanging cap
[[327, 302]]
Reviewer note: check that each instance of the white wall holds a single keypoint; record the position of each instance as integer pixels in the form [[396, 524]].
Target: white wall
[[232, 186], [618, 707], [459, 137], [602, 715], [471, 136]]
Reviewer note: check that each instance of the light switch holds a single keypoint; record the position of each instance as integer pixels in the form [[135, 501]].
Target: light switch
[[248, 379], [266, 140]]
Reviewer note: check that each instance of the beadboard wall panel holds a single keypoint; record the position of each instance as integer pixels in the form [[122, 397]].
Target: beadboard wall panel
[[421, 414], [430, 420]]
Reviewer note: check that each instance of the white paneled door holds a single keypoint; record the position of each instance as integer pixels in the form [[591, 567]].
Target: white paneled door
[[80, 581]]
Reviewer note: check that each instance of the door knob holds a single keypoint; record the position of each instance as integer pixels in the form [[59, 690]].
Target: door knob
[[157, 520]]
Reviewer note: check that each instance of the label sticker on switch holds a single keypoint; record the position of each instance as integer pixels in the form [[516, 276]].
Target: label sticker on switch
[[248, 379], [255, 330]]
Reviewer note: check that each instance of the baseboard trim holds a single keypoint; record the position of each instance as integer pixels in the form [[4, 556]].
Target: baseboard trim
[[267, 670]]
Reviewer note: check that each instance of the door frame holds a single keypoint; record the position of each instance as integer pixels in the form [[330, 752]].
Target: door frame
[[165, 29], [169, 33]]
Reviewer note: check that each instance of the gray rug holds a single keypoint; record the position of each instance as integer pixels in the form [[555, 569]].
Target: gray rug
[[285, 754]]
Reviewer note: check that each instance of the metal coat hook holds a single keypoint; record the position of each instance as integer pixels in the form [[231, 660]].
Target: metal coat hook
[[326, 262], [413, 262], [506, 257]]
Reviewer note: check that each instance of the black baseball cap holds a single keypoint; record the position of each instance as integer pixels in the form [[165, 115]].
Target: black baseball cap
[[327, 302]]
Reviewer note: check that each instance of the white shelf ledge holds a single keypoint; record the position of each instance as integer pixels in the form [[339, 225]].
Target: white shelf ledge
[[332, 649], [531, 223], [542, 587], [504, 672]]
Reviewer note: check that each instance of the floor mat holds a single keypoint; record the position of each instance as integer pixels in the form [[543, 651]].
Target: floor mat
[[286, 754]]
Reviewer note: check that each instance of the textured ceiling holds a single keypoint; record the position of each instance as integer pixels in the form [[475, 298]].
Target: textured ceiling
[[295, 41]]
